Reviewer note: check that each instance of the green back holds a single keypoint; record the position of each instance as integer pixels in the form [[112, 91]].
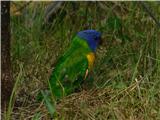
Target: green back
[[70, 69]]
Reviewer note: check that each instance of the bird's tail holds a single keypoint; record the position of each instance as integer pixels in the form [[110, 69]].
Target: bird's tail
[[50, 104]]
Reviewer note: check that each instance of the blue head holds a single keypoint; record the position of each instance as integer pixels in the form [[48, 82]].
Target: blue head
[[92, 37]]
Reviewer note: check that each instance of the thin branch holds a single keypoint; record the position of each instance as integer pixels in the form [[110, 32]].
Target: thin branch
[[22, 7], [51, 9], [150, 13]]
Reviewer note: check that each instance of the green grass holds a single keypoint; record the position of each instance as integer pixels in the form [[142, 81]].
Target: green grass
[[127, 68]]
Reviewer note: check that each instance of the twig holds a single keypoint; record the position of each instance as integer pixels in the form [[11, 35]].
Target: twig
[[51, 9], [149, 11], [22, 7]]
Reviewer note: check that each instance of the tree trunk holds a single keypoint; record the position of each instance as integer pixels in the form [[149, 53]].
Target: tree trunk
[[7, 80]]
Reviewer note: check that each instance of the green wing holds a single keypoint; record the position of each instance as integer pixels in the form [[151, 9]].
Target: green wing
[[70, 69]]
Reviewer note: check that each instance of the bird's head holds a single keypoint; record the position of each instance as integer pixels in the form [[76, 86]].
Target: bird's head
[[92, 37]]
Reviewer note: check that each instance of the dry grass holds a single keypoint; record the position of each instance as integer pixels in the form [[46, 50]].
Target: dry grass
[[96, 104], [99, 104]]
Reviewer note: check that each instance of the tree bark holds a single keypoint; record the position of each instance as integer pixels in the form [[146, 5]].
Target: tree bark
[[6, 80]]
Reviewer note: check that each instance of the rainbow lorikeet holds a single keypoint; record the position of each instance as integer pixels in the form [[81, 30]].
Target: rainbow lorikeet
[[73, 66]]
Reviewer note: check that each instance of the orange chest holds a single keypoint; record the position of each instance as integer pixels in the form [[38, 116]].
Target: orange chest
[[91, 59]]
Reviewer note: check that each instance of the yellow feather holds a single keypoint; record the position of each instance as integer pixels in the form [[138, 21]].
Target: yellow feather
[[91, 59]]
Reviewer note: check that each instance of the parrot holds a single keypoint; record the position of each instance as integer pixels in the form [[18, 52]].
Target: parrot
[[73, 67]]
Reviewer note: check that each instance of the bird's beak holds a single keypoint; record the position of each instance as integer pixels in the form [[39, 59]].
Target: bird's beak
[[100, 41]]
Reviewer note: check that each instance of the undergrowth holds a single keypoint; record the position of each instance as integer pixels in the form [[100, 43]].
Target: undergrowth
[[126, 71]]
